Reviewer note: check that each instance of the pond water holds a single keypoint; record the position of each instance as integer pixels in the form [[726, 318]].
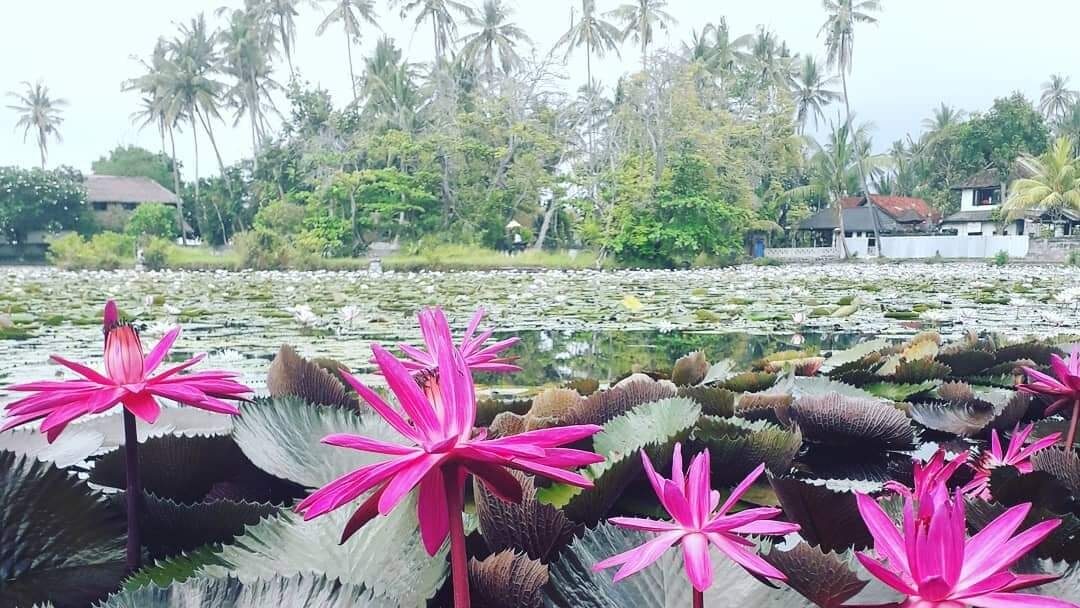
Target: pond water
[[584, 323]]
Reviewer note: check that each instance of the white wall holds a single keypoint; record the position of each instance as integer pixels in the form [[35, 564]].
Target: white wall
[[959, 246]]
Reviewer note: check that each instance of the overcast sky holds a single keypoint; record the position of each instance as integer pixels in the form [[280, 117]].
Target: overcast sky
[[963, 52]]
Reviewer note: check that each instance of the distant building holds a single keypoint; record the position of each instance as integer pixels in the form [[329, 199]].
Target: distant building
[[891, 215], [981, 197], [112, 199]]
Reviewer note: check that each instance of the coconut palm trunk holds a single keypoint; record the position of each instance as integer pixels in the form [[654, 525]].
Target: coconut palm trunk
[[862, 170], [221, 167], [176, 185], [352, 72], [41, 146]]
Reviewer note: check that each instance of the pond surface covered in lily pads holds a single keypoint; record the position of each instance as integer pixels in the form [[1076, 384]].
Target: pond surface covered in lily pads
[[580, 323]]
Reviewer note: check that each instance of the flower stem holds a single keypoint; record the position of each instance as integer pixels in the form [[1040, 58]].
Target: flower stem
[[1070, 437], [459, 561], [134, 492], [699, 599]]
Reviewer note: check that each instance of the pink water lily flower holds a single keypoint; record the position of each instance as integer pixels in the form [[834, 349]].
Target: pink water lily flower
[[129, 380], [1017, 455], [1064, 389], [931, 478], [933, 564], [478, 358], [441, 445], [698, 522]]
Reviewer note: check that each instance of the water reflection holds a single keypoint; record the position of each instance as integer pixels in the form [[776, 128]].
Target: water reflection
[[551, 356]]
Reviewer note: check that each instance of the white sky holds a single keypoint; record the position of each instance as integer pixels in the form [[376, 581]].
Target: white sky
[[964, 52]]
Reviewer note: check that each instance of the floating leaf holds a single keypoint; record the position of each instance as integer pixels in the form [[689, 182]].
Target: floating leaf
[[920, 370], [169, 527], [898, 392], [828, 519], [574, 583], [385, 557], [738, 446], [298, 591], [955, 391], [175, 569], [963, 418], [507, 579], [750, 382], [584, 386], [602, 406], [824, 578], [529, 526], [282, 437], [292, 375], [655, 427], [1037, 352], [714, 401], [690, 370], [966, 363], [854, 353], [1063, 466], [839, 420], [765, 406], [59, 540], [1062, 544]]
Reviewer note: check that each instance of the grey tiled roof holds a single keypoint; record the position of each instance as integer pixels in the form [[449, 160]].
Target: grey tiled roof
[[116, 189]]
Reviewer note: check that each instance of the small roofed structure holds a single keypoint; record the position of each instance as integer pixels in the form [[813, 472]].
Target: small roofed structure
[[113, 198], [889, 215], [981, 197]]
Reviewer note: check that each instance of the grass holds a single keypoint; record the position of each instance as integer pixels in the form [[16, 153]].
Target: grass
[[202, 258], [465, 257]]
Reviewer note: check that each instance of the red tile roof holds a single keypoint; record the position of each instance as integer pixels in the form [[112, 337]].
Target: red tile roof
[[895, 206]]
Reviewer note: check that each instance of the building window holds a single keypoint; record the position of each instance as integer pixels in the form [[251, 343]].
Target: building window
[[984, 197], [129, 206], [100, 206]]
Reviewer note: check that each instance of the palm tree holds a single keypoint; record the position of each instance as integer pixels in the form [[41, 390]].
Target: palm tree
[[350, 13], [247, 46], [40, 112], [640, 20], [443, 25], [597, 35], [839, 30], [1069, 126], [157, 110], [392, 99], [190, 91], [281, 14], [811, 93], [495, 35], [944, 116], [1054, 186], [1057, 97]]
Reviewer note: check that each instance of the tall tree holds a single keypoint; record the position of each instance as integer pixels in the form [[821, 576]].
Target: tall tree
[[281, 15], [441, 13], [350, 13], [248, 45], [1057, 97], [839, 30], [190, 89], [157, 110], [812, 94], [640, 21], [40, 112], [944, 116], [495, 35], [1054, 187], [596, 35]]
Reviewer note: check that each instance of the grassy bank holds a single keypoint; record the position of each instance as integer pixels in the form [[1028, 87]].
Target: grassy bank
[[441, 257]]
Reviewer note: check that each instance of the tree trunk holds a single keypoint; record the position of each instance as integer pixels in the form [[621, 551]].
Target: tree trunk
[[352, 73], [862, 174], [224, 174], [435, 33], [589, 114], [285, 44], [41, 147], [176, 185], [195, 138], [545, 226]]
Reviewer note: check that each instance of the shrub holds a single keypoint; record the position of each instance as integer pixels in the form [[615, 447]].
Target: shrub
[[153, 219], [1001, 258], [767, 262], [261, 249], [156, 253], [104, 251], [281, 217], [1074, 257]]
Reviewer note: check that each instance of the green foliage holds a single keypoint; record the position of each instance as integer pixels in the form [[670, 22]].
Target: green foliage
[[105, 251], [153, 219], [261, 249], [323, 236], [281, 216], [1074, 257], [133, 161], [37, 200], [693, 213], [156, 253], [1001, 258]]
